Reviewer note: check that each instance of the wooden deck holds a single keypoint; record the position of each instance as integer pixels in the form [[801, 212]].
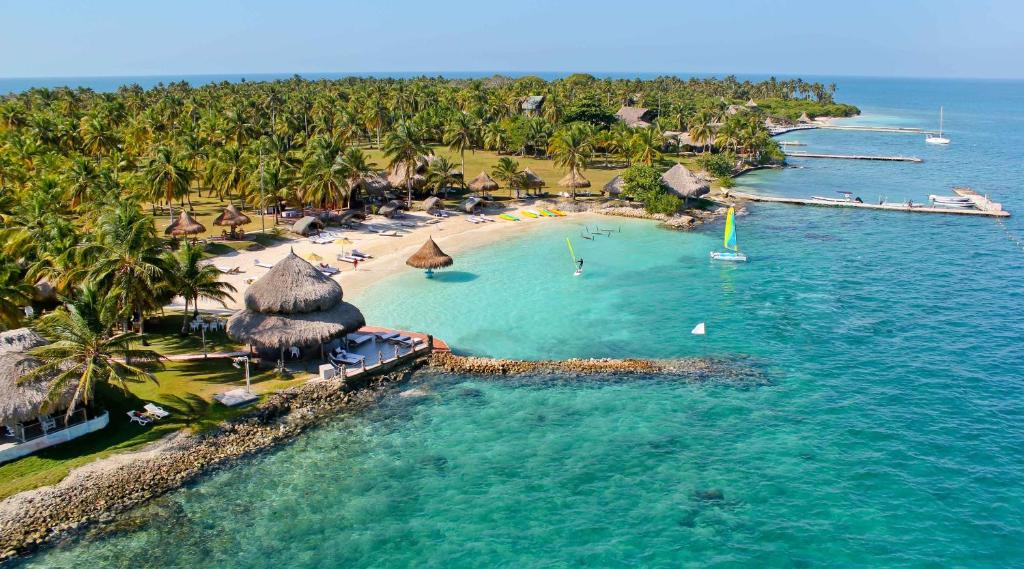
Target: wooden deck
[[854, 157], [985, 207]]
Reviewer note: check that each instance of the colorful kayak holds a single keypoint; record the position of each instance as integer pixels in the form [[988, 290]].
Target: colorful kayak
[[558, 212], [548, 213], [508, 217], [529, 213]]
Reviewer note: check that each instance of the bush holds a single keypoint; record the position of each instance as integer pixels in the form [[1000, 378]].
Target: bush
[[589, 111], [718, 165], [726, 181], [643, 183], [663, 202]]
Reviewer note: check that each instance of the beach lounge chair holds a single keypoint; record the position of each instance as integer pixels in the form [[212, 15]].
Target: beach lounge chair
[[345, 358], [358, 339], [156, 411], [360, 254], [403, 340], [387, 335], [328, 270], [136, 417], [348, 259], [392, 233], [260, 263]]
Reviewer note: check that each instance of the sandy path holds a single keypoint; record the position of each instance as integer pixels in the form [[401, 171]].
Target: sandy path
[[453, 234]]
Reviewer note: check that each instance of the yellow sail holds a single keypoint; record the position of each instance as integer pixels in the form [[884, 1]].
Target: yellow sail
[[729, 240]]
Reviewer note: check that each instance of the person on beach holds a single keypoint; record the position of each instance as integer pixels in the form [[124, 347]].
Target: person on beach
[[355, 265]]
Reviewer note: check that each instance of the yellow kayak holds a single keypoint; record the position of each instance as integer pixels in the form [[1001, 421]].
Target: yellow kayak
[[508, 217], [529, 214], [558, 212], [548, 213]]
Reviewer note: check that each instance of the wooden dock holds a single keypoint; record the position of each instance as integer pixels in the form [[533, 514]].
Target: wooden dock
[[778, 130], [855, 157], [985, 207]]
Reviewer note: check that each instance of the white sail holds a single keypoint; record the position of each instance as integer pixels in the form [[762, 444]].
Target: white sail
[[698, 329]]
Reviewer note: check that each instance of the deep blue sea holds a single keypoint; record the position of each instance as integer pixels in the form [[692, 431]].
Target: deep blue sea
[[888, 430]]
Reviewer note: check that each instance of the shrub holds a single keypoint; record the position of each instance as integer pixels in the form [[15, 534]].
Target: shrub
[[643, 183], [718, 165]]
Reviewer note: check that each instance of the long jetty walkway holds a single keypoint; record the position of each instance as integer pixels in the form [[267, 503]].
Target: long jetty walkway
[[855, 157], [984, 207], [778, 129]]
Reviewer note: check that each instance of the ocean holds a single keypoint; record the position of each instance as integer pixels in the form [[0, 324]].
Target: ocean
[[885, 431]]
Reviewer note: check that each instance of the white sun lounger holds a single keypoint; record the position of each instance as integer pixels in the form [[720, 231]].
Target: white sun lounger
[[328, 270], [348, 259], [156, 410], [260, 263], [136, 417], [392, 233], [360, 254]]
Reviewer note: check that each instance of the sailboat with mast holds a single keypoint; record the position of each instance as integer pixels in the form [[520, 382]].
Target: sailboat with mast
[[729, 241], [937, 139]]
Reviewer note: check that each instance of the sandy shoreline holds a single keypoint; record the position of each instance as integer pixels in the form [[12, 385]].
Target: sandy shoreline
[[454, 234]]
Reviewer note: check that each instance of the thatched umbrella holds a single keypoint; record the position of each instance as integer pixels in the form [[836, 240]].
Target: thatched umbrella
[[483, 183], [307, 226], [615, 186], [293, 304], [471, 204], [24, 401], [429, 257], [232, 218], [684, 183], [531, 179], [571, 181], [399, 177], [431, 203], [184, 225]]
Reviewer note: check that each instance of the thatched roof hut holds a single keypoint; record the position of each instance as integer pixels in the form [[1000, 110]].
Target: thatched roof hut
[[577, 181], [25, 401], [471, 204], [391, 208], [307, 226], [372, 184], [430, 256], [615, 186], [684, 183], [483, 183], [231, 217], [184, 225], [432, 203], [399, 176], [531, 179], [293, 304], [635, 117], [804, 118], [750, 104]]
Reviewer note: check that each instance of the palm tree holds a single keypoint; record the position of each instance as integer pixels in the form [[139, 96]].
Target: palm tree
[[356, 165], [700, 129], [80, 356], [571, 148], [508, 171], [14, 294], [192, 280], [460, 134], [165, 176], [440, 175], [402, 147], [646, 142], [229, 171], [321, 183]]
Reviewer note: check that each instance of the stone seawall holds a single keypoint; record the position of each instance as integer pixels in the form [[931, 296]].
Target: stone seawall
[[99, 492]]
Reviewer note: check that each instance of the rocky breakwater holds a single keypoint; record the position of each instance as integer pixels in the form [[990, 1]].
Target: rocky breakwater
[[99, 493]]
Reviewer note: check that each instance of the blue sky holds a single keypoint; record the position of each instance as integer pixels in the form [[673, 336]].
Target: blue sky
[[937, 38]]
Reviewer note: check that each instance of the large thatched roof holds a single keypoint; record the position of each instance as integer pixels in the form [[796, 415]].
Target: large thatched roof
[[431, 203], [634, 116], [574, 182], [399, 176], [615, 186], [307, 226], [483, 183], [751, 104], [373, 184], [27, 400], [531, 179], [184, 225], [294, 304], [391, 208], [684, 183], [430, 256], [804, 118], [471, 204], [231, 217]]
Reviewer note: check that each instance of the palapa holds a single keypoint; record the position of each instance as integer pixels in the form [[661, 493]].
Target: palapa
[[577, 181], [483, 183], [431, 203], [184, 225], [430, 256], [471, 204], [307, 226], [615, 186], [231, 217], [684, 183], [531, 179], [20, 402], [293, 304]]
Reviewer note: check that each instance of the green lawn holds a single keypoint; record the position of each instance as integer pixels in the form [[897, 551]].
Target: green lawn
[[185, 389], [164, 337]]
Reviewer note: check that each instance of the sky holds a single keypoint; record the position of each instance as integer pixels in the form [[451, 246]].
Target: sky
[[904, 38]]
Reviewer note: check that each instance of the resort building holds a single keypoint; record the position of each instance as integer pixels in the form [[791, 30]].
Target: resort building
[[685, 183], [635, 117], [532, 105], [28, 422]]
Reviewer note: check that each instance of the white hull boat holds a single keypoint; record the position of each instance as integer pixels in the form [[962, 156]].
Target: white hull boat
[[732, 252], [939, 139], [728, 256]]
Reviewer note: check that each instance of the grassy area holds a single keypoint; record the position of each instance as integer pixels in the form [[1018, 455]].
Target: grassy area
[[185, 389], [164, 336]]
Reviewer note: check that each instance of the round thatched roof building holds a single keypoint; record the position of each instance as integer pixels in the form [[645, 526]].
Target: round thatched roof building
[[577, 181], [429, 257], [294, 304], [231, 217], [615, 186], [684, 183], [532, 180], [184, 225], [483, 183], [25, 401]]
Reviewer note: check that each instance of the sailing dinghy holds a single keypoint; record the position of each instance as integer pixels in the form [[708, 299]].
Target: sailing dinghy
[[729, 240]]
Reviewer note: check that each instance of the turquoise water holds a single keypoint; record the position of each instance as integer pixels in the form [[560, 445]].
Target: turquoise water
[[888, 433]]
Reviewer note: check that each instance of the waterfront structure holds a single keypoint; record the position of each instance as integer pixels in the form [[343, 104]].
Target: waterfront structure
[[684, 183]]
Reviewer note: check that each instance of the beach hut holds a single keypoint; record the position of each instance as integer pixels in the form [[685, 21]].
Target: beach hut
[[471, 204], [735, 109], [531, 105], [307, 226], [185, 225], [391, 209], [373, 185], [30, 419], [575, 181], [686, 184], [232, 218], [804, 119], [750, 104], [614, 187], [483, 183], [293, 304], [432, 203], [399, 176], [531, 180], [635, 117], [429, 257]]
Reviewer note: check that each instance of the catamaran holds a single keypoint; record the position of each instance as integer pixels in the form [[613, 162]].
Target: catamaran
[[933, 139], [729, 240]]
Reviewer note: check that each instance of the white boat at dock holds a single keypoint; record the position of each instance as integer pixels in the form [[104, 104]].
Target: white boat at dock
[[937, 139], [847, 198]]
